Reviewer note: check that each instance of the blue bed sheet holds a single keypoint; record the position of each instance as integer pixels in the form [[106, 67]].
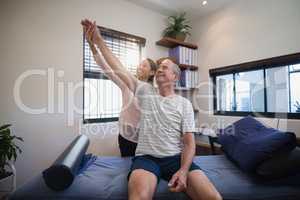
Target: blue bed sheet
[[106, 178]]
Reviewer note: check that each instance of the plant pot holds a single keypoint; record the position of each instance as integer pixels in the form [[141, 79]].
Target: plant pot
[[5, 174], [6, 185], [8, 180], [180, 36]]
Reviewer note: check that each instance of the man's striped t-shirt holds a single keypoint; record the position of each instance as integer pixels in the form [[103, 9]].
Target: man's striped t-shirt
[[163, 121]]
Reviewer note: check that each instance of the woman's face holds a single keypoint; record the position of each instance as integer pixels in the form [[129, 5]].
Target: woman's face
[[144, 71]]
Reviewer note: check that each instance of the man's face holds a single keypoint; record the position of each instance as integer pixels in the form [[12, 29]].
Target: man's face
[[165, 73]]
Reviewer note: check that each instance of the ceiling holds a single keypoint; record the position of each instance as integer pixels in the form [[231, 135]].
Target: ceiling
[[193, 8]]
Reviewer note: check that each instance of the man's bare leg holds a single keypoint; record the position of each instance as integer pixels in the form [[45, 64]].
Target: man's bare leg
[[199, 187], [141, 185]]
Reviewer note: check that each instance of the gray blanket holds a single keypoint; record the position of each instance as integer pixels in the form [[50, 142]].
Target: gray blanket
[[106, 178]]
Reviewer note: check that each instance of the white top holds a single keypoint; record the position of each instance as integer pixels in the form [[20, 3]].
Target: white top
[[163, 121], [129, 117], [206, 131]]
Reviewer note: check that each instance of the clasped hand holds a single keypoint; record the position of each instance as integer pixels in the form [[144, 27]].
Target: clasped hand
[[178, 181]]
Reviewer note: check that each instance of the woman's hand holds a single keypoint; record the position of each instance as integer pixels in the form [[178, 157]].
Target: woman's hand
[[91, 31], [93, 36]]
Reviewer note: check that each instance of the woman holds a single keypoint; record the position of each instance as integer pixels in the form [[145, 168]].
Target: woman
[[130, 113], [113, 68]]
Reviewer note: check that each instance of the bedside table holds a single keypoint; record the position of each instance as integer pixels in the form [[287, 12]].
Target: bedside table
[[8, 184], [206, 140]]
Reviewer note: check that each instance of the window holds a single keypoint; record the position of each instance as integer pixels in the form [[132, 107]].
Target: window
[[241, 92], [277, 83], [268, 88], [294, 72], [102, 98], [225, 93], [249, 91]]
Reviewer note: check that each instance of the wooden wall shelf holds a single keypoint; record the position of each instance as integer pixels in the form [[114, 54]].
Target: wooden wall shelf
[[171, 43], [190, 67]]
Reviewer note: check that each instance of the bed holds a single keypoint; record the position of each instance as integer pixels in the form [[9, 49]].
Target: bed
[[106, 178]]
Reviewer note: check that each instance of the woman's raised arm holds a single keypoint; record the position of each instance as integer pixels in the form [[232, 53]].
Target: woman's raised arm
[[102, 63], [110, 58]]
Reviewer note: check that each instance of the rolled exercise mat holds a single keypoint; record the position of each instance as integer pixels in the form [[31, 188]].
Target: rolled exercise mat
[[63, 171]]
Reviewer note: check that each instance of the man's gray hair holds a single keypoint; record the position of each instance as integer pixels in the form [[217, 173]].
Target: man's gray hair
[[176, 69]]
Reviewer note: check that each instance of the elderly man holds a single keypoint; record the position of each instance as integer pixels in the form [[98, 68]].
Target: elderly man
[[166, 144]]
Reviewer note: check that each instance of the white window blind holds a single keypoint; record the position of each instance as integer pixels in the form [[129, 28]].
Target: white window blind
[[102, 98]]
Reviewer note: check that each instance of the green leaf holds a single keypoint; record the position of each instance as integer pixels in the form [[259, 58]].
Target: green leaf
[[19, 138], [5, 132], [177, 24], [8, 149], [14, 155], [9, 155], [4, 126]]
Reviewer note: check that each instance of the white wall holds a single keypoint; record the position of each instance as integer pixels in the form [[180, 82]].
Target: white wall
[[41, 34], [244, 31]]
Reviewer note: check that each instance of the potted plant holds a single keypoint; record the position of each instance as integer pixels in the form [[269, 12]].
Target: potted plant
[[8, 152], [178, 27], [297, 105]]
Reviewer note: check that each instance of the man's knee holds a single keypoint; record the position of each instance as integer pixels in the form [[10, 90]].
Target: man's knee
[[219, 197], [140, 195], [139, 191], [213, 196], [141, 176], [141, 185], [202, 187]]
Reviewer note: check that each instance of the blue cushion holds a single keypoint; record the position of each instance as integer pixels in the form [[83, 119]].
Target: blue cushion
[[281, 165], [248, 142]]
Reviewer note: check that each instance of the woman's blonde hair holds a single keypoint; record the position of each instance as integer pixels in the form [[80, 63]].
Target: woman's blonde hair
[[153, 67]]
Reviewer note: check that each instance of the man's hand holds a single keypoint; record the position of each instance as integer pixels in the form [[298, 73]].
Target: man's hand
[[91, 31], [178, 181]]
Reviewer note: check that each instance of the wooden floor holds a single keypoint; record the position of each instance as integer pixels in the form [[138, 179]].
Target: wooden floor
[[205, 149]]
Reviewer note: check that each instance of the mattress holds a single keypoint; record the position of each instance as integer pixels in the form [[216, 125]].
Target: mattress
[[106, 178]]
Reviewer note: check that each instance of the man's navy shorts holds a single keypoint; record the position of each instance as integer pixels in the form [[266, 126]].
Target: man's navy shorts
[[163, 168]]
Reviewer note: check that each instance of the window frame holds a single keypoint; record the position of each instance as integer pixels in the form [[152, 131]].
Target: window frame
[[264, 64], [98, 75]]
